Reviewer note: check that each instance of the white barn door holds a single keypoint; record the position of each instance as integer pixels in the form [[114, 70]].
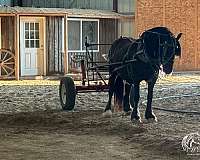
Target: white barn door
[[32, 46]]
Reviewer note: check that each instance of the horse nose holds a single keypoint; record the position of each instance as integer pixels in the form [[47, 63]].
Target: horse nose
[[168, 71]]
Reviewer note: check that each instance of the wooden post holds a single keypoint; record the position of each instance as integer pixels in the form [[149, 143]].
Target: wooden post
[[0, 34], [83, 72], [16, 43], [115, 5], [65, 46], [44, 47]]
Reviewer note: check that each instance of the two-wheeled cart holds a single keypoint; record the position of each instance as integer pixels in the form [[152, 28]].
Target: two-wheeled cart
[[94, 77]]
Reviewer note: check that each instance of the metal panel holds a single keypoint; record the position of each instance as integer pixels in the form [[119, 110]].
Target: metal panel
[[6, 2], [54, 45], [126, 27], [126, 6], [108, 32], [85, 4]]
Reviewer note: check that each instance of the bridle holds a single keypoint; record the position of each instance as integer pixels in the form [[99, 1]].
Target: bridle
[[165, 45]]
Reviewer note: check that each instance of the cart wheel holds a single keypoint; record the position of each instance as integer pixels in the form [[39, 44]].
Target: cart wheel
[[67, 93], [7, 63]]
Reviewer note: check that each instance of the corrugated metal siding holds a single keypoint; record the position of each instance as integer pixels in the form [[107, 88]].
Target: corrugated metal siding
[[6, 2], [83, 13], [54, 45], [127, 25], [108, 30], [85, 4], [126, 6]]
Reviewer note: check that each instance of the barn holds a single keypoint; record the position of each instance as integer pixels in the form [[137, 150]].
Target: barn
[[179, 16], [64, 24], [38, 38]]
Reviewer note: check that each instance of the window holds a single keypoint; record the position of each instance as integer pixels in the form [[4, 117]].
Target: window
[[126, 6], [74, 35], [32, 35], [78, 29]]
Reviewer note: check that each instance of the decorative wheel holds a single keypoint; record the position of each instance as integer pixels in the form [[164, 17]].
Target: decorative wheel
[[67, 93], [7, 63]]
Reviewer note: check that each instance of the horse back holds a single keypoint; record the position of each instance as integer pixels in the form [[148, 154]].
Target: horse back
[[119, 49]]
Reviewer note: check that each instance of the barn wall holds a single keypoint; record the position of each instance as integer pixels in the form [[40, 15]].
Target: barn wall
[[126, 6], [126, 25], [7, 33], [179, 16], [85, 4], [54, 45], [6, 2], [108, 33]]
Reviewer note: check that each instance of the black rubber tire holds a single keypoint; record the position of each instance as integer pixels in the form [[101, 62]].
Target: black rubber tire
[[67, 86]]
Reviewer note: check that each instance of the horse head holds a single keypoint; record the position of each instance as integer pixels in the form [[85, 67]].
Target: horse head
[[161, 46], [172, 51]]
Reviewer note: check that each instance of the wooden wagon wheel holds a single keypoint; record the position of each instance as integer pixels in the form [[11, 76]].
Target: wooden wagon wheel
[[7, 63]]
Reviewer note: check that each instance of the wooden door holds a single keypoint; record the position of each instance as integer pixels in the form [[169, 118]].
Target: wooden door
[[32, 46]]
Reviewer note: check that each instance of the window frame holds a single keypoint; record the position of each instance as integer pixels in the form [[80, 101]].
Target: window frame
[[34, 38], [81, 20]]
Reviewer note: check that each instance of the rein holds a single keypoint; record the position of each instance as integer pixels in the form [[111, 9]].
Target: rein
[[143, 56]]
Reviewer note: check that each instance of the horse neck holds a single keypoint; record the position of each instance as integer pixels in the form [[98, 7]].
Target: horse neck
[[154, 58]]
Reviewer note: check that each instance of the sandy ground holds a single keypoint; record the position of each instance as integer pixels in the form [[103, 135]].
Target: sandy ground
[[33, 126]]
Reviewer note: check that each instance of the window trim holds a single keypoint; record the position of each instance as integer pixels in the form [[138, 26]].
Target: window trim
[[81, 31]]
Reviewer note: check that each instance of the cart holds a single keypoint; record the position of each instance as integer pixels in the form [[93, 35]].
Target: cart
[[94, 77]]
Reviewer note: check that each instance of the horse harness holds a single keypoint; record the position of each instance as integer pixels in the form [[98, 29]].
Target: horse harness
[[141, 53]]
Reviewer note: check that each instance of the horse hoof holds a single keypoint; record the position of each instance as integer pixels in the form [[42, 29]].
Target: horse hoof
[[136, 121], [150, 117], [152, 120], [107, 113]]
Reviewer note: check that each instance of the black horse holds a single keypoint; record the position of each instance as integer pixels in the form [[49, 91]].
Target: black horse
[[141, 59]]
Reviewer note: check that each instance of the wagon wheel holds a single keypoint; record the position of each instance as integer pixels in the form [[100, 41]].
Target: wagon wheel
[[7, 63], [67, 93]]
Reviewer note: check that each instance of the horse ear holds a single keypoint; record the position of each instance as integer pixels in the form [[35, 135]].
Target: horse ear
[[179, 36]]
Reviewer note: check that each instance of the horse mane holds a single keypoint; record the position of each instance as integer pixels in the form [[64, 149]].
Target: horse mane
[[159, 30]]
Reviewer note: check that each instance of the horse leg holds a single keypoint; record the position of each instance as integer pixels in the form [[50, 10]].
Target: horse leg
[[126, 104], [134, 99], [118, 92], [111, 83], [149, 115]]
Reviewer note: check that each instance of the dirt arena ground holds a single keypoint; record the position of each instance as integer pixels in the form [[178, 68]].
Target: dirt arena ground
[[33, 126]]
